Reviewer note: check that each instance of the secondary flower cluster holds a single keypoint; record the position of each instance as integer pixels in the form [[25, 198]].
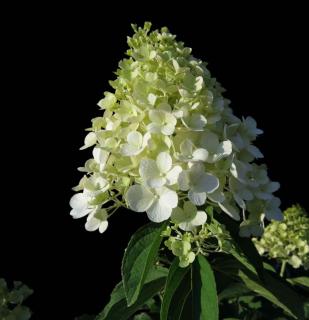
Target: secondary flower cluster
[[287, 240], [186, 241], [168, 143]]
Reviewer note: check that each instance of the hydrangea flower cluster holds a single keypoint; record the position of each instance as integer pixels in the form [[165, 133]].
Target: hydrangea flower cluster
[[287, 240], [168, 144]]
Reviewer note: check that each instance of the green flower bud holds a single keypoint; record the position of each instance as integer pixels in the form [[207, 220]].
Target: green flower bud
[[184, 261], [180, 248]]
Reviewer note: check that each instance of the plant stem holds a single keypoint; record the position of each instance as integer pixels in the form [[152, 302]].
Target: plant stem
[[283, 265]]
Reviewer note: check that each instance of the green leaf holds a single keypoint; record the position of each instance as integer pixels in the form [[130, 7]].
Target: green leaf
[[174, 279], [246, 251], [274, 289], [302, 281], [234, 290], [190, 293], [269, 267], [205, 300], [276, 292], [180, 299], [139, 258], [117, 308]]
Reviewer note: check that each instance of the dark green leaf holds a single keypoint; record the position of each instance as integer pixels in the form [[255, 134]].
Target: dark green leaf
[[117, 308], [274, 289], [246, 251], [269, 267], [234, 290], [302, 281], [139, 258], [180, 299], [190, 293], [174, 279], [205, 300], [276, 292]]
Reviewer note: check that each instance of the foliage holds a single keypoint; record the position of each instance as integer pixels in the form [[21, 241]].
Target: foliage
[[11, 300]]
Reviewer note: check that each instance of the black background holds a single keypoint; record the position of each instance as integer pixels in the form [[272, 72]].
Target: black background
[[56, 63]]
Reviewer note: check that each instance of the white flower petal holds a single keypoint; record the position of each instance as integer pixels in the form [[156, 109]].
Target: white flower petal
[[170, 119], [139, 198], [154, 128], [79, 201], [135, 138], [196, 122], [168, 129], [103, 226], [164, 162], [172, 175], [239, 170], [186, 226], [225, 148], [216, 196], [164, 106], [206, 183], [90, 140], [200, 155], [157, 116], [274, 214], [148, 169], [129, 150], [184, 180], [186, 148], [159, 211], [152, 99], [245, 194], [156, 182], [263, 195], [272, 187], [197, 198], [254, 151], [146, 138], [168, 197], [79, 213], [199, 219], [100, 155], [92, 224], [230, 210]]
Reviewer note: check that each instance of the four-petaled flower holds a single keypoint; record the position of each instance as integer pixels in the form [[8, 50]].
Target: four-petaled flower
[[158, 202], [136, 143], [198, 183], [159, 172], [161, 122]]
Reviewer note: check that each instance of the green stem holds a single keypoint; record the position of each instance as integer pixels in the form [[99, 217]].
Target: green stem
[[283, 265]]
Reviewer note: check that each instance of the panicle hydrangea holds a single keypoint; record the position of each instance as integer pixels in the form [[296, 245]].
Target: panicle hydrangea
[[167, 143], [287, 240]]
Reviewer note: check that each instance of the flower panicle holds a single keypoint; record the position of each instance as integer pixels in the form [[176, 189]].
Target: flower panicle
[[167, 143]]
